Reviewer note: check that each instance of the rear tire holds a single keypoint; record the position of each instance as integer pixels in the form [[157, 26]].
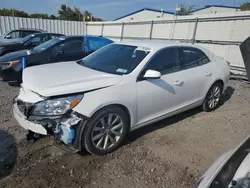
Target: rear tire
[[105, 131], [213, 97]]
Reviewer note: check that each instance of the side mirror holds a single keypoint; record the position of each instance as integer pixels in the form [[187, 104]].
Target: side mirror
[[7, 37], [152, 74]]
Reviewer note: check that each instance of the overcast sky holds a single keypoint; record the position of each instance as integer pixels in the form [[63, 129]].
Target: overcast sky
[[106, 9]]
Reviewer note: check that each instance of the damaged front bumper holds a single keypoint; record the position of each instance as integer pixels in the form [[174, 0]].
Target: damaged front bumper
[[22, 120], [67, 128]]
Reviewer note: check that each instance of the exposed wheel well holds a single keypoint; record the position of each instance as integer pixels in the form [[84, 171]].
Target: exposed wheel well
[[220, 82]]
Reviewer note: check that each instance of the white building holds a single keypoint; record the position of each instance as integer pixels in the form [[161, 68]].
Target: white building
[[214, 9], [145, 14]]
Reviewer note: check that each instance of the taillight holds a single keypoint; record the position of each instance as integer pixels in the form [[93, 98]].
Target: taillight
[[228, 63]]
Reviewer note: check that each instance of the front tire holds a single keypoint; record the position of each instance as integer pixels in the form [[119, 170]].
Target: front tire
[[213, 97], [105, 131]]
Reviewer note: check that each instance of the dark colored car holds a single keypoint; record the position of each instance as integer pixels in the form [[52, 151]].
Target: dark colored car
[[67, 48], [16, 34], [27, 42]]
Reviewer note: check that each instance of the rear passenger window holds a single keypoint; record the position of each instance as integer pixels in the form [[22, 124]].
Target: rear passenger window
[[165, 61], [193, 57], [97, 43], [72, 46], [46, 38], [14, 34], [54, 36]]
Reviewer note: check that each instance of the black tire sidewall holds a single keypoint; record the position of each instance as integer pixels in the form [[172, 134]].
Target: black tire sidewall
[[86, 136], [205, 105]]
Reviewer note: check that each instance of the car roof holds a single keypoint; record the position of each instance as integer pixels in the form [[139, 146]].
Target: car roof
[[47, 34], [156, 44], [83, 36], [72, 36], [28, 29]]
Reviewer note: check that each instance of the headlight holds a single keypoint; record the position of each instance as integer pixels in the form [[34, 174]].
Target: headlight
[[1, 48], [56, 106]]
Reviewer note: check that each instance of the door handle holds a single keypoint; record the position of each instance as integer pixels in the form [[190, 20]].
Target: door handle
[[178, 83], [208, 73]]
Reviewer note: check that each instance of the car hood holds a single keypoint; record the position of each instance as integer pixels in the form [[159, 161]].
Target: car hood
[[9, 43], [66, 78], [3, 40], [14, 56]]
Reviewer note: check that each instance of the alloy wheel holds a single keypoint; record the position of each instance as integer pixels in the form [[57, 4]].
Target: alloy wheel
[[107, 131], [214, 97]]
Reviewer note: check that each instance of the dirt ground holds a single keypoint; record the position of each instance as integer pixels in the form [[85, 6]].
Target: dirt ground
[[172, 153]]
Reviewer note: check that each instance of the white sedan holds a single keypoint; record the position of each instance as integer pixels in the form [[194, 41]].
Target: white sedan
[[93, 103]]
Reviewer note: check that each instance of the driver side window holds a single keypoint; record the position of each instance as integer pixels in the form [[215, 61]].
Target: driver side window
[[35, 41], [72, 46], [13, 35], [165, 61]]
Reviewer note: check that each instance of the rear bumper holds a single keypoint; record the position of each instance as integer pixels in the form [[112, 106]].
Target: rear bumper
[[21, 119]]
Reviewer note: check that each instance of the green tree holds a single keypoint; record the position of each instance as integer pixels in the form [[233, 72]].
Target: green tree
[[245, 6], [65, 13], [13, 12], [52, 17], [36, 15], [75, 14], [185, 9]]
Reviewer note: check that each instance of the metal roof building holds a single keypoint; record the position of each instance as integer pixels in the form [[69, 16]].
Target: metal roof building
[[213, 9], [145, 14]]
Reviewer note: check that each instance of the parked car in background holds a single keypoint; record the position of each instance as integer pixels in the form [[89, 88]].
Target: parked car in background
[[16, 34], [66, 48], [93, 103], [231, 170], [27, 42]]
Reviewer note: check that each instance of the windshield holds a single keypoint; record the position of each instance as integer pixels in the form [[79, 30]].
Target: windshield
[[116, 59], [25, 39], [47, 45]]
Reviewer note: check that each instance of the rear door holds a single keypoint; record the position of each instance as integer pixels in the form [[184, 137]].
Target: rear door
[[196, 74], [69, 50]]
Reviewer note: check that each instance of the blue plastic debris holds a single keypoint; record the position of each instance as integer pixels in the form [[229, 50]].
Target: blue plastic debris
[[24, 62]]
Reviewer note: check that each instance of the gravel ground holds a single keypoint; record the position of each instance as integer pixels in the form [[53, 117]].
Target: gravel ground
[[171, 153]]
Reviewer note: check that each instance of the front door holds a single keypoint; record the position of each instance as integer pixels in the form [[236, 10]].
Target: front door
[[158, 97]]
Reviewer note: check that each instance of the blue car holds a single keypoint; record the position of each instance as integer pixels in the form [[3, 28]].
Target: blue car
[[61, 49]]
